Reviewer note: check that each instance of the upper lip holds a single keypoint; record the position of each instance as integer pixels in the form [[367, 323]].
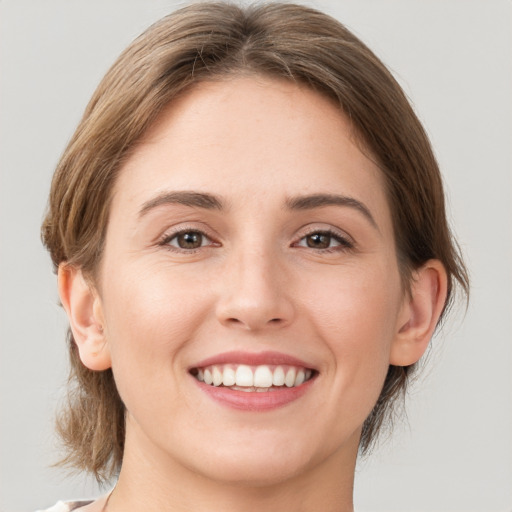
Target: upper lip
[[252, 359]]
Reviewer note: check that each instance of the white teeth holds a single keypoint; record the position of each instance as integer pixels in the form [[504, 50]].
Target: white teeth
[[208, 378], [300, 378], [217, 376], [262, 377], [289, 380], [229, 378], [253, 378], [244, 376], [278, 377]]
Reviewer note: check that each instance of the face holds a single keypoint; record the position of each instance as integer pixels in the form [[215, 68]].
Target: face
[[249, 290]]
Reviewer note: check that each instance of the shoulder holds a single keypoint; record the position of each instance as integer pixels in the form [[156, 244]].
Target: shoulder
[[65, 506]]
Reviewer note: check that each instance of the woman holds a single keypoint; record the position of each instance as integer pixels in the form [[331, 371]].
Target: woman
[[252, 250]]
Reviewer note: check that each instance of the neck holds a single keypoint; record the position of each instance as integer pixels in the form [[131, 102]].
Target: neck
[[152, 481]]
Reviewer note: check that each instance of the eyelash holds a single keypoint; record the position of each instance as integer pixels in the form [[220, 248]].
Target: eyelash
[[344, 243], [169, 237]]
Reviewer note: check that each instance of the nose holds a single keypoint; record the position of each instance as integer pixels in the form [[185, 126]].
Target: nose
[[254, 294]]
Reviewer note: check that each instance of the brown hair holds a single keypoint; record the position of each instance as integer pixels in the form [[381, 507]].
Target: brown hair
[[207, 41]]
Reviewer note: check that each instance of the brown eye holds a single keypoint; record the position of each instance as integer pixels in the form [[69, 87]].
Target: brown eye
[[319, 240], [326, 241], [188, 240]]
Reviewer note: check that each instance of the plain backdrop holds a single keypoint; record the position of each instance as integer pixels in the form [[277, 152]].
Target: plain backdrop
[[453, 58]]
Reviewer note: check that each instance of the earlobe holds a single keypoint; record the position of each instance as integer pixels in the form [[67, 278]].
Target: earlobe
[[420, 313], [83, 307]]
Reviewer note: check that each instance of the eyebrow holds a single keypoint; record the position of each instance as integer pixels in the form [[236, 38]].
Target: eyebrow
[[186, 198], [211, 202], [310, 202]]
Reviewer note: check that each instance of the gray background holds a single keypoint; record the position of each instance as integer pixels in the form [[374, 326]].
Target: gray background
[[453, 57]]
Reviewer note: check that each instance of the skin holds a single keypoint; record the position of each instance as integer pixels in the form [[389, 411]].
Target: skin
[[254, 284]]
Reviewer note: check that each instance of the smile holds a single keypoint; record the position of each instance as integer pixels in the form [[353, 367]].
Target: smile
[[261, 378], [254, 381]]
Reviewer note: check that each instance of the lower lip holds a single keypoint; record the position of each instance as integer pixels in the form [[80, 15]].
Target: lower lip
[[255, 401]]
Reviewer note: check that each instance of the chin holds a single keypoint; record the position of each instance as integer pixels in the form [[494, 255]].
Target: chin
[[250, 470], [262, 459]]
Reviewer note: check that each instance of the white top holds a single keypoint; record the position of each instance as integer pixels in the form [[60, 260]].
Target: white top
[[66, 506]]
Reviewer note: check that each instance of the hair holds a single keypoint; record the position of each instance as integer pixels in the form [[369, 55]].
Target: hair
[[210, 41]]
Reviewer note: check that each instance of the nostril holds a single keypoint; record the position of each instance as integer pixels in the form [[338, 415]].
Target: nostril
[[253, 324]]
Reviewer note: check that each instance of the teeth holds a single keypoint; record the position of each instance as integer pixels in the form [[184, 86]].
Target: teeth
[[289, 380], [257, 378], [229, 376], [262, 377], [208, 378], [301, 375], [244, 376], [278, 377], [217, 376]]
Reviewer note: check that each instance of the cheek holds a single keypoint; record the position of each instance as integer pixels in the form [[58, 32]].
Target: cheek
[[148, 318], [357, 319], [361, 304]]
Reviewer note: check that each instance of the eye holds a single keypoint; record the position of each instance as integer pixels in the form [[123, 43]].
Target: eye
[[325, 240], [187, 240]]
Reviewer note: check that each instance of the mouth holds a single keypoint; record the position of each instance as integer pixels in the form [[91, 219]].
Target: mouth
[[253, 378], [254, 382]]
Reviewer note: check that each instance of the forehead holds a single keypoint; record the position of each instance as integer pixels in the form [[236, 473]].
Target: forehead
[[252, 138]]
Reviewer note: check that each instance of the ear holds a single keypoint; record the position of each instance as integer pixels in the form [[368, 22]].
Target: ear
[[83, 307], [420, 313]]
